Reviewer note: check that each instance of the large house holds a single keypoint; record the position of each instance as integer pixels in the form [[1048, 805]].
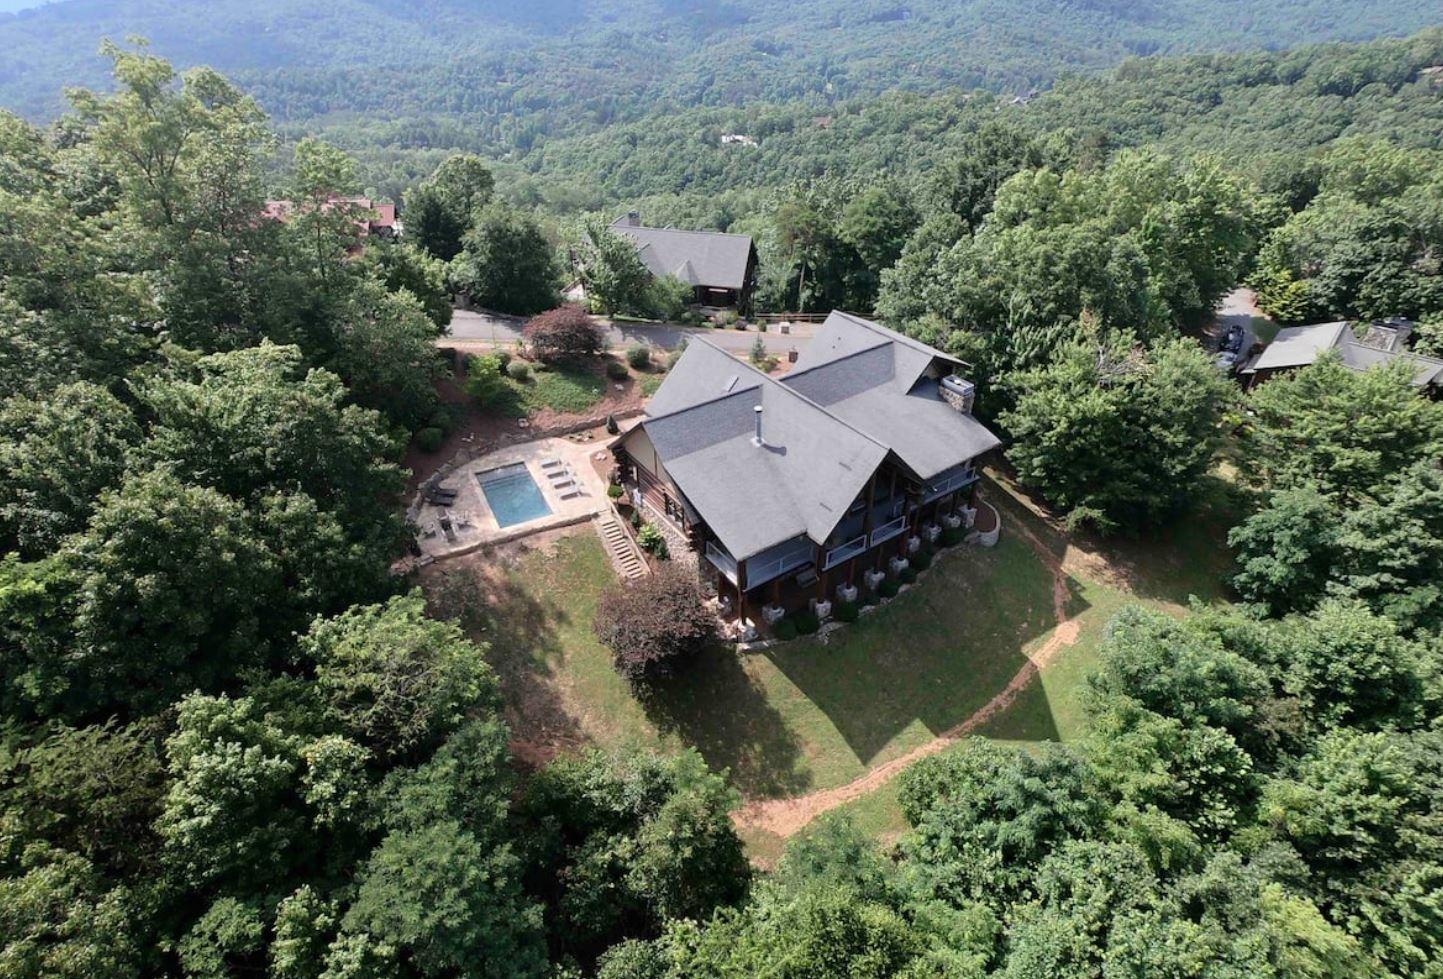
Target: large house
[[720, 268], [1296, 347], [794, 489]]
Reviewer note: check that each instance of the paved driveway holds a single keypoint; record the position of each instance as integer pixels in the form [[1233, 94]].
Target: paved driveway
[[486, 327]]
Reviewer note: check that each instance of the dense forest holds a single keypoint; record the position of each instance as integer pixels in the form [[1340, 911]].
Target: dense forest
[[233, 743], [497, 75]]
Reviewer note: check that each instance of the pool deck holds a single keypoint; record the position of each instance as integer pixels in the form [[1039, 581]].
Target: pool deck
[[472, 522]]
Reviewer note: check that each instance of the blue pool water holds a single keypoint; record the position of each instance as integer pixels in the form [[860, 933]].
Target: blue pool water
[[512, 494]]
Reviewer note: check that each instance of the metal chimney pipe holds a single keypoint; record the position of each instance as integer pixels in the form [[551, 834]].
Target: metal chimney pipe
[[757, 438]]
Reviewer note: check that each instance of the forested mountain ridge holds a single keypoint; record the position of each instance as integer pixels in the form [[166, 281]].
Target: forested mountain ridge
[[515, 70], [1251, 107]]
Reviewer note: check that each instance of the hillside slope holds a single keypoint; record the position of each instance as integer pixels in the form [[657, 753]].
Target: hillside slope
[[517, 68]]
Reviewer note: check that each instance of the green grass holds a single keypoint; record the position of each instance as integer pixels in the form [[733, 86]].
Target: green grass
[[571, 388], [799, 717], [812, 715], [650, 382], [557, 680]]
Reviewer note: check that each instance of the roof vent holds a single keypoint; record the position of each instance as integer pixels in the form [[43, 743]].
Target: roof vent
[[959, 393], [757, 438]]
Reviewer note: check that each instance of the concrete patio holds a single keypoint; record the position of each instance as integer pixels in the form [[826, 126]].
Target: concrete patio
[[561, 469]]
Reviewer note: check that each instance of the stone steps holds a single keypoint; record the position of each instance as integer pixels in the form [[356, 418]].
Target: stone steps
[[619, 545]]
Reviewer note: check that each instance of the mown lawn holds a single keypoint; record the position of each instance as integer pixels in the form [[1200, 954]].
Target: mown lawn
[[813, 715], [800, 717]]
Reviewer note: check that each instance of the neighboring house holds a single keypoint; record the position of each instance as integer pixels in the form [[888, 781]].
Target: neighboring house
[[374, 218], [792, 489], [1298, 346], [720, 268]]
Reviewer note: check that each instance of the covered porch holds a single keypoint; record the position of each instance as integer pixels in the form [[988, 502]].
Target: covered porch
[[798, 575]]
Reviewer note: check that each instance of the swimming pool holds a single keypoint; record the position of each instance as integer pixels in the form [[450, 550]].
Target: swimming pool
[[512, 494]]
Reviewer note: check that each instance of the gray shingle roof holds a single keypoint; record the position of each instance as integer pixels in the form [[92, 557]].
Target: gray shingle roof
[[1426, 370], [704, 373], [698, 258], [1299, 346], [826, 429], [800, 481]]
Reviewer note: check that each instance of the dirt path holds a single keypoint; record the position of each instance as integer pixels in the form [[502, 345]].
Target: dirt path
[[786, 817]]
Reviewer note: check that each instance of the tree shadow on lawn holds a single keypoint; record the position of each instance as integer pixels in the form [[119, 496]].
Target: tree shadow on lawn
[[495, 609], [934, 655], [715, 706]]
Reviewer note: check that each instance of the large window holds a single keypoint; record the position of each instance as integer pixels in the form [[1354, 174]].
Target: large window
[[950, 482], [845, 552], [777, 561], [889, 530], [724, 562]]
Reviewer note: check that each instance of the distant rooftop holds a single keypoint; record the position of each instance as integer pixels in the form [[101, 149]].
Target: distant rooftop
[[709, 259], [1299, 346]]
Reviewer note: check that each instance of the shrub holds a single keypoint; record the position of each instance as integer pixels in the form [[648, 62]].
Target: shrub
[[807, 622], [442, 419], [653, 541], [908, 575], [616, 370], [762, 327], [483, 379], [952, 536], [922, 560], [429, 439], [727, 317], [636, 519], [758, 352], [846, 611], [654, 624], [563, 332], [667, 298], [612, 428], [638, 356], [505, 357], [889, 588], [785, 630], [518, 370], [673, 357], [614, 491]]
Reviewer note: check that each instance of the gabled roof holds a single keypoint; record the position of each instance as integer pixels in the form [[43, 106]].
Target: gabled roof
[[698, 258], [878, 380], [1299, 346], [809, 469], [869, 393], [705, 372]]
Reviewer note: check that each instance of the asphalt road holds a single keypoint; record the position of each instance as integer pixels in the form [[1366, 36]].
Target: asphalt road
[[484, 327]]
